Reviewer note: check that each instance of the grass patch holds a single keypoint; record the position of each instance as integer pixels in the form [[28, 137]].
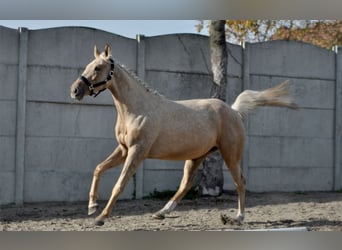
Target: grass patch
[[167, 194], [301, 192]]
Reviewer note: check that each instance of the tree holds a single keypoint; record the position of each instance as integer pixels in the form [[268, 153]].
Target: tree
[[323, 33], [210, 181], [240, 31]]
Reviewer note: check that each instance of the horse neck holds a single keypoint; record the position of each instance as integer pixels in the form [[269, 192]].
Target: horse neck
[[129, 95]]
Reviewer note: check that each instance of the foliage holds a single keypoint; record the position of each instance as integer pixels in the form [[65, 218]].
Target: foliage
[[323, 33], [242, 31]]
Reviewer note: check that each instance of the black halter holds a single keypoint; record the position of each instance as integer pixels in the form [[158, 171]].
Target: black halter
[[92, 86]]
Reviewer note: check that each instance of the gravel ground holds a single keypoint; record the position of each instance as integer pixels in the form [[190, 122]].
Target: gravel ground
[[317, 211]]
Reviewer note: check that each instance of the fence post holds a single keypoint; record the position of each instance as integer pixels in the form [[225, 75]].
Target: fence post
[[139, 185], [21, 117], [338, 122], [245, 85]]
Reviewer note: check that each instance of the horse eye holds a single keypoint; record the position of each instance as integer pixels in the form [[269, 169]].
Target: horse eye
[[97, 69]]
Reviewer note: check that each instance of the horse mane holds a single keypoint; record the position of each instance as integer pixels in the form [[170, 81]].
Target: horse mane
[[142, 83]]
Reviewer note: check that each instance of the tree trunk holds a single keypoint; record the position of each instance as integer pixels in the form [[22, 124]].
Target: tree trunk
[[210, 178], [218, 50]]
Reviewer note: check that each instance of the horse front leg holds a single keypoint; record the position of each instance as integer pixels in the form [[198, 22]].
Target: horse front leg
[[113, 160], [135, 156]]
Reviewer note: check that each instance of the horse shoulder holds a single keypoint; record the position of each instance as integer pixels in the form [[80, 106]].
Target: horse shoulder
[[141, 129]]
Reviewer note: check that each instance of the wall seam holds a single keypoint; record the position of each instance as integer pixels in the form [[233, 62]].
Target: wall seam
[[245, 85], [139, 184], [338, 122], [21, 117]]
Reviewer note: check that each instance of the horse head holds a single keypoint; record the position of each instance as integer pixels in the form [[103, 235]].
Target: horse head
[[96, 76]]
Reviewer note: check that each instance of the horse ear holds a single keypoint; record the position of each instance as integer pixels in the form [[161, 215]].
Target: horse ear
[[108, 51], [96, 52]]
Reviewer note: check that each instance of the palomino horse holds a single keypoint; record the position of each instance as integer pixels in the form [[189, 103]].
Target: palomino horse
[[150, 126]]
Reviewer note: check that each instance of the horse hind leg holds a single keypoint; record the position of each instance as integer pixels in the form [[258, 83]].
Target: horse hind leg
[[232, 160], [190, 169]]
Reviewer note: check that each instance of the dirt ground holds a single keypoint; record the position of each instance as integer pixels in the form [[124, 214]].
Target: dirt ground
[[317, 211]]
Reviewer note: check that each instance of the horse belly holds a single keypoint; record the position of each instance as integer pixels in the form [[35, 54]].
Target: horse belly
[[183, 145], [178, 154]]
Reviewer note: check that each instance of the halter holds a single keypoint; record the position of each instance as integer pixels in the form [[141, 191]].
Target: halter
[[92, 86]]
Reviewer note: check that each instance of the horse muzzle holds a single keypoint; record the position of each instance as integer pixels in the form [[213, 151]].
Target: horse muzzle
[[77, 90]]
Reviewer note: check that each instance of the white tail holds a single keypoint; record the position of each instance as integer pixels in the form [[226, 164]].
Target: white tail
[[279, 95]]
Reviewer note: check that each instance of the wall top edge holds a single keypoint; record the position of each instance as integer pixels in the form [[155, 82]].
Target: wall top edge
[[183, 35], [276, 43], [189, 35]]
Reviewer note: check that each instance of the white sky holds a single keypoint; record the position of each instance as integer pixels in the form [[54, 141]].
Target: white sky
[[127, 28]]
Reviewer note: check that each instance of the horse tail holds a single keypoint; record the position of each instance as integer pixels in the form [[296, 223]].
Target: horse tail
[[279, 95]]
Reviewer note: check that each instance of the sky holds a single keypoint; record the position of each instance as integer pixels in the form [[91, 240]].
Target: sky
[[127, 28]]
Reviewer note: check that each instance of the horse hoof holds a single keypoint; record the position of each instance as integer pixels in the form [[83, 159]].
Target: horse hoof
[[92, 209], [158, 216], [99, 223]]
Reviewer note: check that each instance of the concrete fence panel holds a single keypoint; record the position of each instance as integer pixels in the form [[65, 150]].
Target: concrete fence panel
[[291, 59], [8, 110], [286, 144]]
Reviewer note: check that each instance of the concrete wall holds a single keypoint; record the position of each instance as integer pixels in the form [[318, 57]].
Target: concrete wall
[[8, 84], [64, 140], [49, 144], [293, 150]]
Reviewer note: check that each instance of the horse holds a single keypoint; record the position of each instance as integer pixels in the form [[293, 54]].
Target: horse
[[151, 126]]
